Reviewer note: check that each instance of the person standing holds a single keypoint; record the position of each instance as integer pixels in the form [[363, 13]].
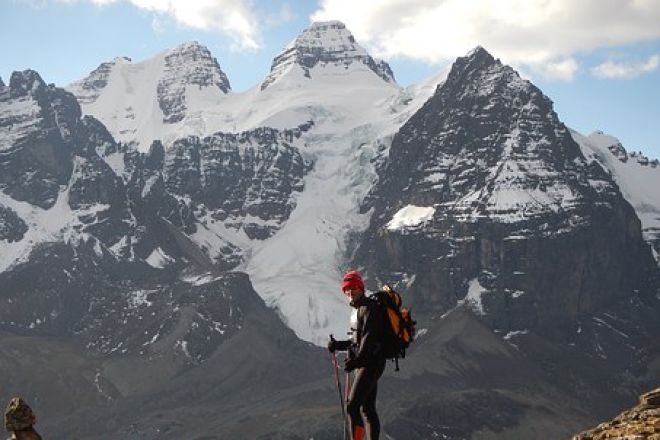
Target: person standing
[[365, 358]]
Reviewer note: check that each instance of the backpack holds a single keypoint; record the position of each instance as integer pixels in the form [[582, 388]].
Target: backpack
[[400, 328]]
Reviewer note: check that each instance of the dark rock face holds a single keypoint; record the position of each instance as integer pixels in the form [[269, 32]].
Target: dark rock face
[[96, 188], [36, 139], [325, 43], [236, 178], [519, 214], [600, 148], [187, 65], [382, 69], [12, 227]]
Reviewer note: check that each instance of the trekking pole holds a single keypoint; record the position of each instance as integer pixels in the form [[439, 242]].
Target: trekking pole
[[347, 381], [341, 397]]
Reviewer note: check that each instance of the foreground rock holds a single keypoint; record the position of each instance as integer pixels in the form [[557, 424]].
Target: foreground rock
[[639, 423]]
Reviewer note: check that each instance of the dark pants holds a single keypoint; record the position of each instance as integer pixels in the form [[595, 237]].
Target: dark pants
[[361, 406]]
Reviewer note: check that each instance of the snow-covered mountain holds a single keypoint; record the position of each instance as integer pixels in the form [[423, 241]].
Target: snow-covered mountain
[[292, 236], [153, 99], [139, 210], [183, 91], [361, 108]]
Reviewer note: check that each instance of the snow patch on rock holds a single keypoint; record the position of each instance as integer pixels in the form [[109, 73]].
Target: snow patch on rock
[[410, 216]]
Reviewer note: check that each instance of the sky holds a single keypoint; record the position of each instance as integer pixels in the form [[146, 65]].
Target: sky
[[598, 60]]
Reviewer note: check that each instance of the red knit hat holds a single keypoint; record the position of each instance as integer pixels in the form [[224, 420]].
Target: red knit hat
[[352, 280]]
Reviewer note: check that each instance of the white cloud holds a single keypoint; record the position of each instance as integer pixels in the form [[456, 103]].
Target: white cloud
[[231, 17], [611, 69], [563, 70], [544, 34], [234, 18]]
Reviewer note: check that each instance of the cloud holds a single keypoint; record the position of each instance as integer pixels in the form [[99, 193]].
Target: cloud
[[623, 70], [563, 70], [544, 34], [231, 17], [234, 18]]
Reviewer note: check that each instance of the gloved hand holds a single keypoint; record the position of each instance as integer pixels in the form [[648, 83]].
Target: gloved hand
[[352, 364], [332, 345]]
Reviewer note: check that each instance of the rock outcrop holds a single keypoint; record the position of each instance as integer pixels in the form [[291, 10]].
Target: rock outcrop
[[639, 423]]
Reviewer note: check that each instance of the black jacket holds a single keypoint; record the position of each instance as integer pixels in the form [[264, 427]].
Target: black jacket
[[366, 345]]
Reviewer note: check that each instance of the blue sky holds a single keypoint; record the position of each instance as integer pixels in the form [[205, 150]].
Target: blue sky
[[598, 61]]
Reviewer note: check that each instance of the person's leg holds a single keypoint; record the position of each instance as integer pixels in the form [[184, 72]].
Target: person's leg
[[364, 388], [370, 416], [363, 382], [372, 422]]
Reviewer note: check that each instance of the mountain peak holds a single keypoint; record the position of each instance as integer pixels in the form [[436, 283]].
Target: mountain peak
[[325, 44], [190, 46], [189, 64], [323, 25], [476, 59], [121, 60], [25, 83], [2, 83], [485, 113], [329, 35], [478, 51], [195, 62], [478, 73]]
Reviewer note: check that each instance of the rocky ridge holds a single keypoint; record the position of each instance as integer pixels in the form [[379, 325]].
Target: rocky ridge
[[636, 176], [639, 423], [89, 88]]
